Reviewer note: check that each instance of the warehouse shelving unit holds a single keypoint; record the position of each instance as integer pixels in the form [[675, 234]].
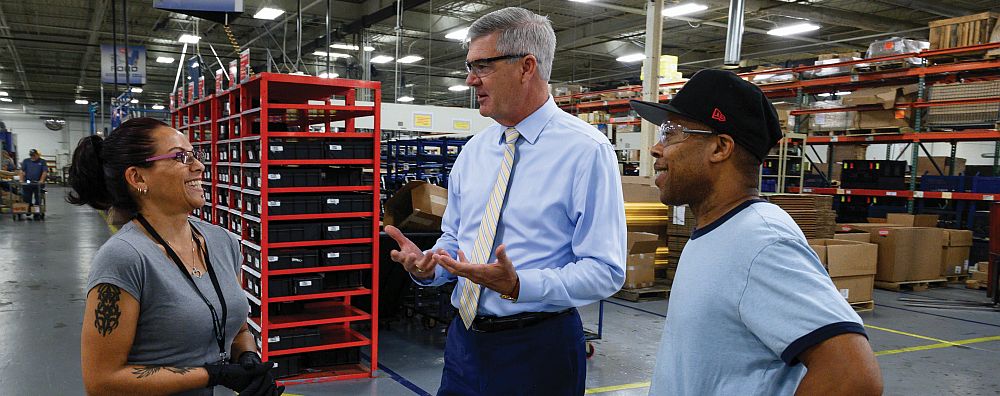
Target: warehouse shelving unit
[[305, 206], [784, 168], [427, 159]]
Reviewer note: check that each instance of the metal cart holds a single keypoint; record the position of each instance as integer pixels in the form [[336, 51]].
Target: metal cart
[[35, 212]]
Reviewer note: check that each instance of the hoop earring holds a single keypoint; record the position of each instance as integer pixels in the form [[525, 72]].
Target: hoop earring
[[142, 190]]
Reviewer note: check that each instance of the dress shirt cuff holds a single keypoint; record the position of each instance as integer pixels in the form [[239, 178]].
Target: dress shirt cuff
[[530, 289]]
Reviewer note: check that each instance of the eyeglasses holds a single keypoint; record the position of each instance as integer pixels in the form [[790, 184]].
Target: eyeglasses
[[184, 157], [484, 67], [673, 133]]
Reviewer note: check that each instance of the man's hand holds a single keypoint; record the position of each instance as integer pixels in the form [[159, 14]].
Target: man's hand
[[499, 276], [414, 261]]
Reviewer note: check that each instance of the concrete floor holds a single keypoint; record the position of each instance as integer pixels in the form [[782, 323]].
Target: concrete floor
[[44, 265]]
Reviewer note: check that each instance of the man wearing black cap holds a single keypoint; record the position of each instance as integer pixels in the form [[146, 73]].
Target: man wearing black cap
[[34, 170], [751, 307]]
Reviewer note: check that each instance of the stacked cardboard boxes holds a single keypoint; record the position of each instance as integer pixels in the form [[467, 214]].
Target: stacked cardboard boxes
[[955, 255], [814, 214], [850, 264], [645, 218], [904, 253]]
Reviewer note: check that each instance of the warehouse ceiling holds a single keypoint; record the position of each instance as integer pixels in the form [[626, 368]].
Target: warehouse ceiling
[[50, 49]]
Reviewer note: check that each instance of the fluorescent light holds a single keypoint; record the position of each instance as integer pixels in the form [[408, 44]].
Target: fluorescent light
[[331, 75], [824, 95], [793, 29], [405, 99], [410, 59], [268, 13], [136, 90], [164, 59], [843, 93], [324, 54], [134, 101], [189, 39], [683, 9], [345, 46], [408, 85], [369, 48], [631, 58], [8, 100], [157, 107], [581, 1], [381, 59], [298, 73], [458, 88], [4, 93], [459, 35], [81, 101]]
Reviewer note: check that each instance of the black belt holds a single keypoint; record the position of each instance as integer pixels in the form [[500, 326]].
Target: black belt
[[492, 324]]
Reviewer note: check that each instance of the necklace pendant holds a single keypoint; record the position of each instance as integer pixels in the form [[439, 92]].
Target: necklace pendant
[[196, 272]]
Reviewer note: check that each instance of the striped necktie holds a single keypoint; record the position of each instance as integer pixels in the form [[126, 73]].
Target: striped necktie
[[487, 229]]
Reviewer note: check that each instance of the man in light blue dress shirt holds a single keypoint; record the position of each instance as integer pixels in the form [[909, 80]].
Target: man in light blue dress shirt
[[560, 238]]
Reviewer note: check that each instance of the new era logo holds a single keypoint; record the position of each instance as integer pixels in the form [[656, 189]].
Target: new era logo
[[718, 116]]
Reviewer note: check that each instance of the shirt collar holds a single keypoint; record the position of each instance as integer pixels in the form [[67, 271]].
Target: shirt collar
[[532, 125]]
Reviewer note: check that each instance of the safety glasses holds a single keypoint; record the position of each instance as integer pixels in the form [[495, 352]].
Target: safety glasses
[[484, 67], [184, 157], [673, 133]]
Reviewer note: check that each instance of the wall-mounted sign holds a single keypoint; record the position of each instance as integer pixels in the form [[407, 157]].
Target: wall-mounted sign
[[461, 125], [422, 121]]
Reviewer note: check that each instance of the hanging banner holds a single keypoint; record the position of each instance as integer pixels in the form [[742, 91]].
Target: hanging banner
[[136, 58]]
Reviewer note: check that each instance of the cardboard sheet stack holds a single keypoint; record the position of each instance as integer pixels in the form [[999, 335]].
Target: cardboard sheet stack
[[813, 213], [678, 233]]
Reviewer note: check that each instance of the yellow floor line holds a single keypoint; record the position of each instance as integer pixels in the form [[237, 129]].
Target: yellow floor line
[[112, 227], [605, 389], [946, 344], [906, 334]]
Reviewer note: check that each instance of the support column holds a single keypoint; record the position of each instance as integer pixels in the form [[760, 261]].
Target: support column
[[651, 83]]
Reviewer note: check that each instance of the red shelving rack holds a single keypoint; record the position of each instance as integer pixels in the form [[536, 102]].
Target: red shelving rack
[[236, 127]]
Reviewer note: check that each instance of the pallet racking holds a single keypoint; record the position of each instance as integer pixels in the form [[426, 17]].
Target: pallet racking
[[305, 205]]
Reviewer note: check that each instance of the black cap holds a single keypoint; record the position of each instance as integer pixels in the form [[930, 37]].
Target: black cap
[[32, 152], [725, 102]]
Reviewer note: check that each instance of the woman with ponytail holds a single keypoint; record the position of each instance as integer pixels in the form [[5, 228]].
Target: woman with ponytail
[[165, 312]]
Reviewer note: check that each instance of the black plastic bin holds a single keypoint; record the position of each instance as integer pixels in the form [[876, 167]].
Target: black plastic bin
[[287, 366], [334, 357], [251, 179], [251, 258], [345, 255], [253, 233], [294, 204], [293, 338], [347, 229], [294, 149], [292, 258], [251, 204], [347, 149], [295, 231], [340, 203], [343, 279], [251, 151]]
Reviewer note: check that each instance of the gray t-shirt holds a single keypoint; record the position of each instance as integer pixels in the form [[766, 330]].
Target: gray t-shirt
[[175, 325]]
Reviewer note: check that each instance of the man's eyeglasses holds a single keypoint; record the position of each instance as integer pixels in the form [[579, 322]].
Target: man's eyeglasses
[[484, 67], [184, 157], [673, 133]]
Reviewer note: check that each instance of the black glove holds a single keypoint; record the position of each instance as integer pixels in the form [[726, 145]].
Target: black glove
[[249, 360], [263, 386], [233, 376]]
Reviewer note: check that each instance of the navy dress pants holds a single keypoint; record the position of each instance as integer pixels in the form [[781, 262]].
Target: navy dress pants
[[548, 359]]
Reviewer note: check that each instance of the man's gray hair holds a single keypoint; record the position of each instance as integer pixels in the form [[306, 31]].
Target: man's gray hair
[[521, 32]]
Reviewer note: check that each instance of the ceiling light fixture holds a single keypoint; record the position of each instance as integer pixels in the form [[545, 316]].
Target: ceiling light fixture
[[136, 90], [342, 46], [324, 54], [630, 58], [410, 59], [134, 101], [8, 100], [4, 93], [164, 59], [405, 99], [268, 13], [458, 35], [683, 9], [793, 29], [458, 88], [81, 101], [369, 48], [157, 107], [381, 59], [331, 75], [189, 39]]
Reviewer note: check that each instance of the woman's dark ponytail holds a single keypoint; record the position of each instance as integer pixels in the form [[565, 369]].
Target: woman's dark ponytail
[[97, 174], [86, 175]]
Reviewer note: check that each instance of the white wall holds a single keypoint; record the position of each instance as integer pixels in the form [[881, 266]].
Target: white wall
[[30, 132]]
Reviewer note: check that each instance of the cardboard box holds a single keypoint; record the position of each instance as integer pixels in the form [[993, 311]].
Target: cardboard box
[[883, 119], [640, 189], [19, 207], [846, 258], [920, 220], [983, 266], [955, 255], [865, 227], [855, 288], [887, 97], [979, 276], [925, 167], [908, 253], [417, 206], [857, 236], [641, 259]]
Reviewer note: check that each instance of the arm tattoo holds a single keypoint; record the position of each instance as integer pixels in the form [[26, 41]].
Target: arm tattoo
[[146, 371], [107, 312]]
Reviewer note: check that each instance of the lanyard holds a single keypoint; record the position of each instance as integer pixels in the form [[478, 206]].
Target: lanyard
[[218, 327]]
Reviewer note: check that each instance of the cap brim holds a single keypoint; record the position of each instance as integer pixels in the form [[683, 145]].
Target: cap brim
[[655, 113]]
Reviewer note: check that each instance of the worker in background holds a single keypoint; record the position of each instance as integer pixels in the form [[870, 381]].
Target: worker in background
[[778, 326], [8, 169], [535, 224], [33, 172], [165, 310]]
